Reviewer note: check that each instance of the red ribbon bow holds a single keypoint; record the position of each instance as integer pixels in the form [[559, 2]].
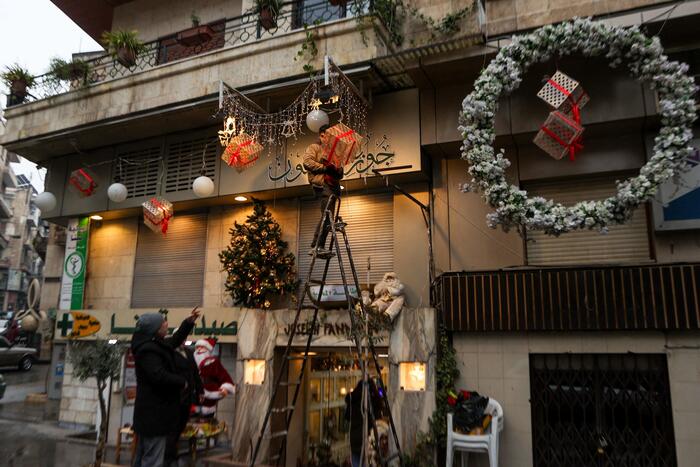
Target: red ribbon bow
[[166, 217], [335, 143], [91, 183]]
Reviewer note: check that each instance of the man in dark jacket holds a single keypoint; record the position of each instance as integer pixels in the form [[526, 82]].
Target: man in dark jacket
[[159, 386], [353, 414]]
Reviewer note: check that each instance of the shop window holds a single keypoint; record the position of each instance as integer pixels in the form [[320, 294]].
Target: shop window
[[254, 372], [601, 410], [412, 376], [316, 11], [169, 270]]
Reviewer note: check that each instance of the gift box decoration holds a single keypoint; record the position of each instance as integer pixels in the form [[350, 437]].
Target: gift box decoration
[[564, 94], [157, 213], [241, 152], [83, 181], [560, 135], [343, 146]]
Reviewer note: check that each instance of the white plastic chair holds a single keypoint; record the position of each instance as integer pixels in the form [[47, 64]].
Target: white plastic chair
[[488, 442]]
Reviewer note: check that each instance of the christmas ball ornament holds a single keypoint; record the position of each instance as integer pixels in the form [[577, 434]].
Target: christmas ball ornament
[[316, 119], [29, 323], [117, 192], [45, 201], [203, 186]]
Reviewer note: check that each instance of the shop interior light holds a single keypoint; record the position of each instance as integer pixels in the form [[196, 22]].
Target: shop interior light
[[241, 198], [412, 376], [112, 341], [254, 372], [342, 187], [96, 217]]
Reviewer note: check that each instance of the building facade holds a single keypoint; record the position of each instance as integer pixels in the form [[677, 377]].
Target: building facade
[[586, 340]]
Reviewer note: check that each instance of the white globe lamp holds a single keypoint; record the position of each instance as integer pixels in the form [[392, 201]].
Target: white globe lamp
[[203, 186], [117, 192], [316, 119], [45, 201]]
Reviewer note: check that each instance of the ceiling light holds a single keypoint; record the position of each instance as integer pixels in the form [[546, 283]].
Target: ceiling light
[[96, 217], [240, 198]]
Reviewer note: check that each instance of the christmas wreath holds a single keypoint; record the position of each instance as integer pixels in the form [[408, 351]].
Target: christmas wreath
[[645, 60]]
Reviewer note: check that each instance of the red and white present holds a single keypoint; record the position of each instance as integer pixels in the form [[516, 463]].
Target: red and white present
[[343, 146], [157, 213], [564, 94], [242, 151], [560, 135], [83, 181]]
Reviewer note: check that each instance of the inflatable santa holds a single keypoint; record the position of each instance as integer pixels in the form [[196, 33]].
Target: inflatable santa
[[215, 379]]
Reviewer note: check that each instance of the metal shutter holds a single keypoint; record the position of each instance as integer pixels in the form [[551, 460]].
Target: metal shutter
[[140, 170], [370, 229], [169, 270], [623, 243], [184, 162]]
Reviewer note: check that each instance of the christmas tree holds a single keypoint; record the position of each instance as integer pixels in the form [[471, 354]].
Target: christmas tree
[[256, 262]]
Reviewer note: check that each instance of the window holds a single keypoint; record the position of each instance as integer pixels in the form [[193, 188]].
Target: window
[[601, 410], [310, 11], [169, 270]]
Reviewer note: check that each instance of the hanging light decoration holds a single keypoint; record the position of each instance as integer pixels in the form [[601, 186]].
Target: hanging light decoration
[[117, 192], [316, 119], [45, 201], [203, 186]]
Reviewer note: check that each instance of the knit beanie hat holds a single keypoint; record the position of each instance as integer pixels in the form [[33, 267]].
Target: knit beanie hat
[[149, 323]]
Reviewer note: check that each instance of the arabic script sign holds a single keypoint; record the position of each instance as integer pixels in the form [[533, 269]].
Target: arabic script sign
[[76, 325]]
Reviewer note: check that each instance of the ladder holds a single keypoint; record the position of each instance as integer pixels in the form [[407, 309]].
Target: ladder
[[330, 217]]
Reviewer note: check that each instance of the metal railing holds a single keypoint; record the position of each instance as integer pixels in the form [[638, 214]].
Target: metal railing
[[237, 31]]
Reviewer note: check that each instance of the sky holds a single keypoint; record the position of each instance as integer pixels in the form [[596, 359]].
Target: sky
[[31, 33]]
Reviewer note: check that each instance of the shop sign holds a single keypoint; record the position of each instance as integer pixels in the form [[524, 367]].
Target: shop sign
[[333, 293], [332, 329], [14, 280], [73, 279], [221, 323], [677, 205]]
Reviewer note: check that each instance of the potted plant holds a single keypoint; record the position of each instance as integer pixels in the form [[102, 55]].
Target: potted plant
[[195, 35], [124, 46], [75, 70], [267, 11], [19, 80]]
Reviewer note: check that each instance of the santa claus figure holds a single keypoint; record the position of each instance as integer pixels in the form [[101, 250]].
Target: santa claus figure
[[215, 379]]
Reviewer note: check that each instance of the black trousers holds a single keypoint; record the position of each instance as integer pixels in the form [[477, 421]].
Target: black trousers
[[324, 193]]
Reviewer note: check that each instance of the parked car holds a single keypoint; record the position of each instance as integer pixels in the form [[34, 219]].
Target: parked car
[[16, 355]]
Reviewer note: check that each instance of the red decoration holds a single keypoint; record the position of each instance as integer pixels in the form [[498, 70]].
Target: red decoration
[[564, 94], [241, 152], [344, 145], [559, 135], [157, 213], [83, 182]]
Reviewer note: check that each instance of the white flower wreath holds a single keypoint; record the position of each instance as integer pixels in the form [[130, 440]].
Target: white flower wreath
[[646, 62]]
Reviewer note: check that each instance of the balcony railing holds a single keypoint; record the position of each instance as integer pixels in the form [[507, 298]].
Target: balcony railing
[[232, 32], [629, 297]]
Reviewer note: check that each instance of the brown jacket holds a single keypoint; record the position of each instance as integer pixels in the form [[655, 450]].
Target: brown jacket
[[314, 164]]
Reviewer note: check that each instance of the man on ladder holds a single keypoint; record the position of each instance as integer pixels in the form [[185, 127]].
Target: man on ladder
[[324, 178]]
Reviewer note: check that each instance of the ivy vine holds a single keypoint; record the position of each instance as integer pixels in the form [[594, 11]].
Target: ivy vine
[[308, 51]]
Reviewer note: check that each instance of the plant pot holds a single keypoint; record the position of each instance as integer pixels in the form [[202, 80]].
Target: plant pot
[[338, 2], [19, 89], [126, 56], [195, 36], [76, 73], [267, 19]]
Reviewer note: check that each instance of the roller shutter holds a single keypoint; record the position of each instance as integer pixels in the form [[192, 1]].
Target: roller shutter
[[370, 219], [623, 243], [169, 270]]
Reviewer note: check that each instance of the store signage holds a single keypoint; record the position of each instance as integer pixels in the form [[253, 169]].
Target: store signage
[[14, 280], [73, 280], [332, 293], [677, 205]]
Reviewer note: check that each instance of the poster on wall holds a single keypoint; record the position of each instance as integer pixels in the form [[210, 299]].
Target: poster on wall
[[73, 278], [677, 204]]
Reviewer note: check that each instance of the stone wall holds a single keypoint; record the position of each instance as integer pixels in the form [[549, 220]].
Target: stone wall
[[497, 365], [79, 404], [110, 264]]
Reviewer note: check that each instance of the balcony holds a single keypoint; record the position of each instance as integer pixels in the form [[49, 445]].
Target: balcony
[[5, 208], [629, 297]]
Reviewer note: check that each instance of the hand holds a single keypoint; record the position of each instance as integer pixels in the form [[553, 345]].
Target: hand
[[223, 392], [194, 314]]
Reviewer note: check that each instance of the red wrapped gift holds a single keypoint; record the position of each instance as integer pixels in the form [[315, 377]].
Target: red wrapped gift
[[564, 94], [560, 135], [83, 181], [241, 152], [343, 146], [157, 213]]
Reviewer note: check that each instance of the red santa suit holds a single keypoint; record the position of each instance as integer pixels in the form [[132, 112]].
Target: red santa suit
[[215, 379]]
